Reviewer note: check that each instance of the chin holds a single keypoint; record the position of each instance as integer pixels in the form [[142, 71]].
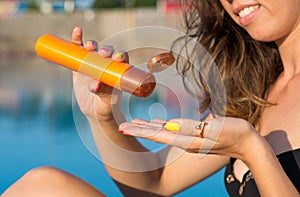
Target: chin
[[262, 37], [264, 33]]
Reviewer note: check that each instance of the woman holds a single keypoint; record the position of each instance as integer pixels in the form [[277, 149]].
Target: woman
[[255, 45]]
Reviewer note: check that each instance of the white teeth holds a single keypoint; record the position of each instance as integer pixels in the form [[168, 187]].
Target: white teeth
[[248, 10]]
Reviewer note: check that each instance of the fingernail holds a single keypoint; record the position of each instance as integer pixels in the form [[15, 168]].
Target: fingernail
[[89, 42], [95, 86], [98, 88], [90, 45], [105, 51], [126, 134], [118, 55], [77, 30]]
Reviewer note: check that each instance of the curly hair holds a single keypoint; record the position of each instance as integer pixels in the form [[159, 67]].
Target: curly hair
[[247, 67]]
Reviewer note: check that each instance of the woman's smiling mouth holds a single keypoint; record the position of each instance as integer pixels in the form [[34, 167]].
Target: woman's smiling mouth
[[246, 13], [248, 10]]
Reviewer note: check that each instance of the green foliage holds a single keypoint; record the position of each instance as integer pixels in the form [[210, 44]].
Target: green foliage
[[145, 3], [32, 4], [108, 3], [123, 3]]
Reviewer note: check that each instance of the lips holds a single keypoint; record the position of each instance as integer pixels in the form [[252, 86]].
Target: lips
[[246, 12]]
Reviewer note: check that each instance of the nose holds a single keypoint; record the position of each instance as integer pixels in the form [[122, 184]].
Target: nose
[[230, 1]]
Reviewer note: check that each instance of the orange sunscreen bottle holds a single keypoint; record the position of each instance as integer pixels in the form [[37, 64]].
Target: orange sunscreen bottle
[[121, 76]]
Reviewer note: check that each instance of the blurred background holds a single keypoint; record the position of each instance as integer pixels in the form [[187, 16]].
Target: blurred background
[[36, 120]]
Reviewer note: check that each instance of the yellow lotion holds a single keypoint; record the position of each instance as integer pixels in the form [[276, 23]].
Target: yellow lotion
[[172, 126]]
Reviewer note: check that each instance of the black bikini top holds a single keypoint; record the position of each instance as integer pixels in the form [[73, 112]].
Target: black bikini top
[[290, 162]]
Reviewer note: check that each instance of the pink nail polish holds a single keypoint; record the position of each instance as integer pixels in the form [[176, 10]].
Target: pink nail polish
[[98, 88], [104, 49], [104, 52], [126, 134]]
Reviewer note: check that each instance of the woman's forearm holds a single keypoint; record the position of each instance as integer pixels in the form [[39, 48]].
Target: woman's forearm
[[269, 176], [126, 160]]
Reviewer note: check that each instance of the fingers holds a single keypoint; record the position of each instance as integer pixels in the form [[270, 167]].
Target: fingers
[[77, 36], [94, 86], [91, 45], [210, 129], [148, 130], [106, 51], [144, 129], [154, 123], [121, 56], [186, 138], [186, 126]]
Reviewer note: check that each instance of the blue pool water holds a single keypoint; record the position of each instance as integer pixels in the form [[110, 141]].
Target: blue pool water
[[30, 138]]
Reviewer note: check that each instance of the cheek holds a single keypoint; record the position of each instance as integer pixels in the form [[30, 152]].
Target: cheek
[[267, 32], [225, 5], [277, 21], [228, 8]]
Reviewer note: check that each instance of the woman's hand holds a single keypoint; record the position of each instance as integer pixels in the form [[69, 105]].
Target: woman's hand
[[95, 99], [222, 135]]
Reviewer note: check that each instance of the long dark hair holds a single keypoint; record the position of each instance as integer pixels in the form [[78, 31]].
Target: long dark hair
[[247, 67]]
